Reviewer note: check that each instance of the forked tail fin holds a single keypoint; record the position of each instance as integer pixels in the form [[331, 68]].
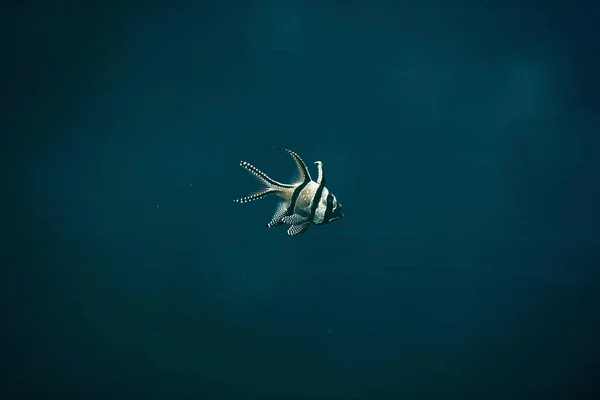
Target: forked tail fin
[[271, 186]]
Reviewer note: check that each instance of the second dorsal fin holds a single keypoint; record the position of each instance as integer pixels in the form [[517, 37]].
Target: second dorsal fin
[[303, 174]]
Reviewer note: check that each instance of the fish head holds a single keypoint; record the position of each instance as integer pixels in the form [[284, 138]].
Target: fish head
[[336, 209]]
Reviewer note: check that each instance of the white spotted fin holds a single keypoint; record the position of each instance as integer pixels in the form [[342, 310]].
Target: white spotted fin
[[294, 219], [303, 175], [298, 229], [279, 214], [271, 186]]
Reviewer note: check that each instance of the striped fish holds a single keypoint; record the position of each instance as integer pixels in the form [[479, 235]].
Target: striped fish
[[303, 203]]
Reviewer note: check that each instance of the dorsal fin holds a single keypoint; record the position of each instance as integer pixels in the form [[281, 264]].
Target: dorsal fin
[[321, 176], [303, 174]]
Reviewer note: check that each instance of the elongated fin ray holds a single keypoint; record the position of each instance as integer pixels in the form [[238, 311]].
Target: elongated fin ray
[[279, 213], [256, 196], [303, 173], [264, 178], [298, 229]]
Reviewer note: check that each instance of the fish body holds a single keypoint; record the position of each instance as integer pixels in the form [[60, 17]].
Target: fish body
[[303, 203]]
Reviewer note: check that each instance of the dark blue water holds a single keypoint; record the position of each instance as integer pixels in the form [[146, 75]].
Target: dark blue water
[[463, 142]]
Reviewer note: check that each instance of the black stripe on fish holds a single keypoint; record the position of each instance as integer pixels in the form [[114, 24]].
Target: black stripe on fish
[[295, 196], [329, 208], [316, 201]]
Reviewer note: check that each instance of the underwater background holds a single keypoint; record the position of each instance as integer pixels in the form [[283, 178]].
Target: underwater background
[[462, 139]]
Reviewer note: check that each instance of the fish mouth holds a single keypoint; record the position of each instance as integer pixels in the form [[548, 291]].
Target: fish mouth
[[336, 217]]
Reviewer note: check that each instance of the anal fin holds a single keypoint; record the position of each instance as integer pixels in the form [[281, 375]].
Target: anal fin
[[279, 213], [298, 229]]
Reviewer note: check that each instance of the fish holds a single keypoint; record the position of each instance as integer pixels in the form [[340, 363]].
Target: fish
[[304, 202]]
